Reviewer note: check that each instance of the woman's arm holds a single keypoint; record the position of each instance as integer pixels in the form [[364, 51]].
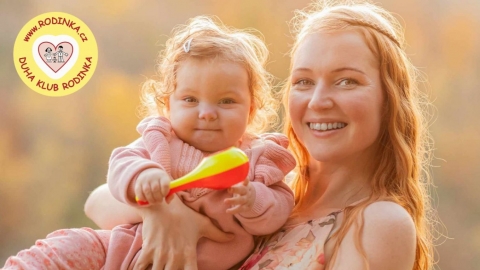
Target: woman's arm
[[172, 244], [103, 209], [388, 238]]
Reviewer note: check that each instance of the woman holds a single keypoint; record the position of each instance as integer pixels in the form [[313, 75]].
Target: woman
[[356, 127]]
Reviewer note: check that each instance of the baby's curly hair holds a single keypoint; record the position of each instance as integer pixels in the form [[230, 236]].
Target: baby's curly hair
[[208, 38]]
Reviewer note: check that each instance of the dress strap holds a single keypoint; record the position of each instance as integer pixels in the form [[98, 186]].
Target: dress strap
[[355, 203], [335, 214]]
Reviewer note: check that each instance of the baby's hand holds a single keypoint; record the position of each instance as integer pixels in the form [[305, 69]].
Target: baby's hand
[[152, 185], [243, 197]]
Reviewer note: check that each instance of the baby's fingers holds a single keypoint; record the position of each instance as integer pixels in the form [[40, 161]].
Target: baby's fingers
[[149, 194], [145, 195], [235, 209], [239, 189], [157, 194], [236, 200], [140, 197]]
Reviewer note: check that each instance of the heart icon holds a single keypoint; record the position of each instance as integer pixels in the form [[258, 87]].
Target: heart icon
[[55, 57]]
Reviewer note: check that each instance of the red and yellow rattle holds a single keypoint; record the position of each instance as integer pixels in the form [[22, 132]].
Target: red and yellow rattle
[[218, 171]]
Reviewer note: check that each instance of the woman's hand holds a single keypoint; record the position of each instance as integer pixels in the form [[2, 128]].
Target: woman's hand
[[173, 244]]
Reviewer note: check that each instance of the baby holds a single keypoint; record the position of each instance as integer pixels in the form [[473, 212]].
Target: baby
[[213, 93]]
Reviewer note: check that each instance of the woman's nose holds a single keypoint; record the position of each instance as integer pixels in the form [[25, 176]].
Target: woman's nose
[[322, 98], [207, 112]]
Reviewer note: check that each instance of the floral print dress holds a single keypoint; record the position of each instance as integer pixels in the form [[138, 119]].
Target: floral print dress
[[296, 246]]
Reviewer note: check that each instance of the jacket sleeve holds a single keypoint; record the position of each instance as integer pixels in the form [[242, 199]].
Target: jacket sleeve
[[269, 158], [152, 150], [123, 168], [270, 162], [272, 207]]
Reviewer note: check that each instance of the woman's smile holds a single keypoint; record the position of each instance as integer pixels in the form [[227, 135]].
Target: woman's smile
[[326, 126]]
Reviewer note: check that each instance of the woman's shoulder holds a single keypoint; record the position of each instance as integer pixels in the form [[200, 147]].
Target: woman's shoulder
[[386, 221], [387, 213], [383, 220], [388, 238]]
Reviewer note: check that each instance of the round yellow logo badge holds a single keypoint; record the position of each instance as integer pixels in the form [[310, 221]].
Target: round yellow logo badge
[[55, 54]]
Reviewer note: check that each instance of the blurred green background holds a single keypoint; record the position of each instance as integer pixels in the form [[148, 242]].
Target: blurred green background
[[54, 151]]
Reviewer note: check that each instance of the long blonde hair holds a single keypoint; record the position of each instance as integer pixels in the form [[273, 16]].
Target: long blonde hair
[[208, 38], [402, 168]]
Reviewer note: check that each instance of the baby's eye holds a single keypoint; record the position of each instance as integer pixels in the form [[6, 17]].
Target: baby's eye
[[227, 101], [190, 99]]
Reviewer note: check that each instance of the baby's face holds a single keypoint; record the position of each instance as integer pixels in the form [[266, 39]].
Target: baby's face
[[211, 104]]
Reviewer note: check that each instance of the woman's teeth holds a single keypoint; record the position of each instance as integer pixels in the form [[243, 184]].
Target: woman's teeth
[[326, 126]]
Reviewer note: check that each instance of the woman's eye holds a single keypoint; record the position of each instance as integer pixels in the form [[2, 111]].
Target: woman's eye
[[190, 99], [303, 82], [348, 82]]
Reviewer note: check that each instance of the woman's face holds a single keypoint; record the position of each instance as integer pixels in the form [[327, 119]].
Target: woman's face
[[336, 98]]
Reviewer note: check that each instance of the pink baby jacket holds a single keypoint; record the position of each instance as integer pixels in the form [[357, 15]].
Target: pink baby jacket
[[270, 161]]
